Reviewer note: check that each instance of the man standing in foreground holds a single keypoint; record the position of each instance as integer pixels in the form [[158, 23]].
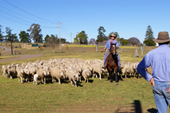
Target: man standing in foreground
[[159, 60]]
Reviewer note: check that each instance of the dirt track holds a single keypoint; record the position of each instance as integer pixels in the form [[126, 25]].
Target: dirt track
[[20, 57], [5, 49]]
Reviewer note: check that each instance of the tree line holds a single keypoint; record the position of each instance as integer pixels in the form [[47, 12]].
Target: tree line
[[34, 34], [131, 41]]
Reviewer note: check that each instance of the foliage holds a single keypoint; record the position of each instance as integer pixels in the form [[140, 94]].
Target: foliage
[[51, 41], [133, 41], [149, 42], [47, 37], [92, 41], [35, 33], [123, 41], [63, 40], [40, 39], [81, 38], [1, 36], [149, 37], [10, 36], [101, 36], [24, 37]]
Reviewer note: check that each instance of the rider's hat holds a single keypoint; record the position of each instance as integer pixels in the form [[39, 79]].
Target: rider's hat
[[112, 35], [162, 37]]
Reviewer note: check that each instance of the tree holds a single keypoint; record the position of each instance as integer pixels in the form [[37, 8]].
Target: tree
[[1, 36], [63, 40], [47, 37], [35, 32], [123, 41], [40, 39], [10, 37], [101, 36], [133, 41], [81, 38], [24, 37], [149, 37], [14, 37], [51, 41], [92, 41]]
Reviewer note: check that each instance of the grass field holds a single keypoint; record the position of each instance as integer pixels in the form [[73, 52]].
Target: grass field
[[97, 96]]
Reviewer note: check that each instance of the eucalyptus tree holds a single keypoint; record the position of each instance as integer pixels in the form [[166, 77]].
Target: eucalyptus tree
[[35, 32]]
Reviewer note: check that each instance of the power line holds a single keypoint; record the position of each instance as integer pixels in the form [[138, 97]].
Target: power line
[[26, 11], [20, 19], [11, 11]]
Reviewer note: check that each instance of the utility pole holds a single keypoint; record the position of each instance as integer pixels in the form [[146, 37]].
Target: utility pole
[[78, 37], [71, 37], [59, 36]]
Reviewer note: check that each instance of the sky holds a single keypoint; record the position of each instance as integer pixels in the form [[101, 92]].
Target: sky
[[130, 18]]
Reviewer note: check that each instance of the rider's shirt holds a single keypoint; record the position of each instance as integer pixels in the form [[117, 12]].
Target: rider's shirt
[[109, 43]]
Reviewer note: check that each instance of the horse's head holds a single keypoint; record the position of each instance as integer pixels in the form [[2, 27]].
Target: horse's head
[[113, 49]]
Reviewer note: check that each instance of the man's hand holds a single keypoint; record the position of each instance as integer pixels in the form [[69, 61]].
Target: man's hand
[[102, 51], [152, 82], [168, 90]]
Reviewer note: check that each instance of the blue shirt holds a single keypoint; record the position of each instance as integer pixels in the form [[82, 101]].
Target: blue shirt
[[109, 43], [159, 60]]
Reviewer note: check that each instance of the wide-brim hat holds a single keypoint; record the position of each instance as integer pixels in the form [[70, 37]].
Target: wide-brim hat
[[112, 35], [162, 37]]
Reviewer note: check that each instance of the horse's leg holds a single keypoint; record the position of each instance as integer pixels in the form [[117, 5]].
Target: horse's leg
[[116, 79], [110, 76]]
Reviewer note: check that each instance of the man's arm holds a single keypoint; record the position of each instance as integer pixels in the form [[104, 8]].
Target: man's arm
[[142, 66], [103, 49]]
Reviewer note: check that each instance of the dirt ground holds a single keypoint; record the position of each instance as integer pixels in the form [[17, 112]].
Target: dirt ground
[[20, 57]]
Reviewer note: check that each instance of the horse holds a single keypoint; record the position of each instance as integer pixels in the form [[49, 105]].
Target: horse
[[112, 63]]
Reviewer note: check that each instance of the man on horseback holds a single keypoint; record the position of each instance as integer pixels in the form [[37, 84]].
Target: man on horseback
[[111, 40]]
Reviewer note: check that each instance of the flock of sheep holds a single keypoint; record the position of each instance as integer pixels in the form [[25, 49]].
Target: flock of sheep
[[73, 70]]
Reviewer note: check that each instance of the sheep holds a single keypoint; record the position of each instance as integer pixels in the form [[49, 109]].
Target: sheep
[[130, 68], [126, 70], [11, 71], [20, 74], [58, 74], [4, 71], [86, 74], [97, 69], [73, 77], [42, 74], [35, 79]]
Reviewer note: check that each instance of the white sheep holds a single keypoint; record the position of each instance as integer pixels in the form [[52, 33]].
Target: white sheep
[[86, 74], [58, 74], [73, 77]]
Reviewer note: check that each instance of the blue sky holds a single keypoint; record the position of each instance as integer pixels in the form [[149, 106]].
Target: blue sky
[[130, 18]]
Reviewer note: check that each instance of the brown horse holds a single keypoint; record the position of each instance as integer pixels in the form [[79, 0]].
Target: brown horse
[[112, 63]]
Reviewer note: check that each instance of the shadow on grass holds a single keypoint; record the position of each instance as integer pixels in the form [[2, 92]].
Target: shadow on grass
[[134, 107], [152, 110]]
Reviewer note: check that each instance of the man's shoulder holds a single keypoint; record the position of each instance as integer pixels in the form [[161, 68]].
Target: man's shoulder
[[159, 50]]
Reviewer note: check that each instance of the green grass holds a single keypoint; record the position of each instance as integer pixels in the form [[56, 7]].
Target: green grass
[[26, 97], [96, 96]]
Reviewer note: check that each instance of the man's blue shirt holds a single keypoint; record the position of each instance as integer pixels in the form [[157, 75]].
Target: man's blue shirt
[[109, 43], [159, 60]]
